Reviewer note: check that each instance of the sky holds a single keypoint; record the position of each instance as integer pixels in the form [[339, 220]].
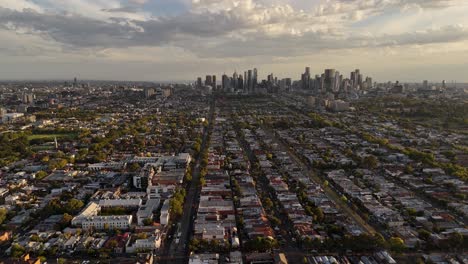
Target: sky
[[175, 40]]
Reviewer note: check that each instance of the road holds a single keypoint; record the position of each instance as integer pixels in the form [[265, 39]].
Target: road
[[179, 252], [328, 191], [288, 246]]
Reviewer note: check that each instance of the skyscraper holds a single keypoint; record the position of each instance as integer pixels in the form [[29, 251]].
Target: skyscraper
[[255, 79], [305, 79], [225, 83], [245, 79], [208, 80], [356, 79], [27, 98], [329, 80], [249, 81], [240, 86]]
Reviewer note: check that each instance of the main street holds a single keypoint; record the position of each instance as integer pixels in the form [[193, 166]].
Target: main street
[[179, 248]]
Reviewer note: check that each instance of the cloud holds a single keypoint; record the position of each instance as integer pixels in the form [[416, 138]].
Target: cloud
[[20, 5], [243, 28], [139, 2], [230, 30]]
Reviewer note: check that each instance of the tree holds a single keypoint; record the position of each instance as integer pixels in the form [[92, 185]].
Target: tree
[[268, 203], [134, 167], [41, 175], [455, 240], [113, 244], [397, 244], [409, 169], [73, 206], [148, 221], [424, 234], [3, 215], [318, 213], [66, 220], [370, 162], [142, 236], [17, 250], [344, 199]]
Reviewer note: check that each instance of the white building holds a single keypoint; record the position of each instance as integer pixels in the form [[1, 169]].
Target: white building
[[107, 166], [150, 243], [164, 218], [10, 117], [338, 105], [111, 222], [92, 209], [146, 211], [125, 203]]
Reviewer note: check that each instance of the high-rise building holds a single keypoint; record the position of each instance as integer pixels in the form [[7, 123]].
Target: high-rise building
[[213, 79], [425, 85], [329, 80], [199, 82], [240, 83], [245, 80], [369, 84], [285, 84], [271, 78], [225, 82], [318, 85], [28, 98], [149, 92], [255, 79], [305, 79], [249, 81], [208, 80]]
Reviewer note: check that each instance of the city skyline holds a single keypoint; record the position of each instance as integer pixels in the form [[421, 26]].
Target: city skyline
[[175, 40]]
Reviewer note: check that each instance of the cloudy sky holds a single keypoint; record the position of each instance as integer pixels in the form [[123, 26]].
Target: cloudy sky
[[164, 40]]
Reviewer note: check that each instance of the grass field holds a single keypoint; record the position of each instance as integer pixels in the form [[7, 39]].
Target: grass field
[[52, 136]]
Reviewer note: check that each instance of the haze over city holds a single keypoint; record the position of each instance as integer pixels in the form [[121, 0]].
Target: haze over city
[[174, 40]]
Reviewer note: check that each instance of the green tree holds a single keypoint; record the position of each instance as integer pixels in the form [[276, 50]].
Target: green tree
[[325, 184], [148, 221], [134, 167], [66, 220], [318, 214], [397, 244], [73, 206], [267, 203], [424, 234], [409, 169], [3, 215], [41, 175], [17, 250], [370, 162], [455, 240]]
